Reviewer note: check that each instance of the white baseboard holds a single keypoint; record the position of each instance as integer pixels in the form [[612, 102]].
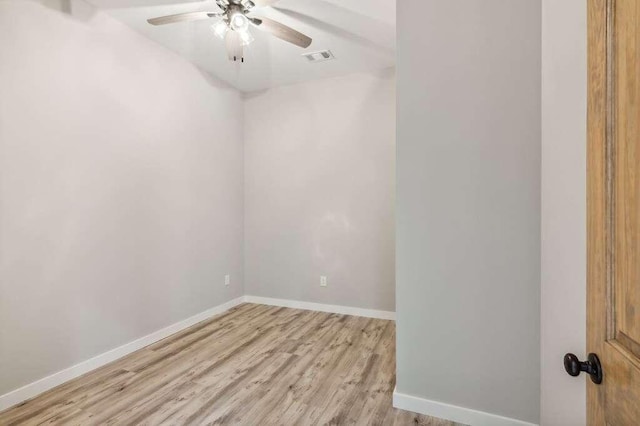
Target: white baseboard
[[321, 307], [33, 389], [452, 413]]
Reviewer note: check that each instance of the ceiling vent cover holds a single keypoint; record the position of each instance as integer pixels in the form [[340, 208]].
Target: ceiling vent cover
[[324, 55]]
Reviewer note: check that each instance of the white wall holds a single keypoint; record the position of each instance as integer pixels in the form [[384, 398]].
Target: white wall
[[564, 73], [146, 222], [121, 202], [319, 191], [468, 205]]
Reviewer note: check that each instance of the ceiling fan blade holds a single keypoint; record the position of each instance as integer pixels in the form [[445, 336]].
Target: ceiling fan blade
[[264, 3], [282, 31], [182, 17], [233, 42]]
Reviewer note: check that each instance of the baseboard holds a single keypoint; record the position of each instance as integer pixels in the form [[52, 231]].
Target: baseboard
[[36, 388], [452, 413], [33, 389], [310, 306]]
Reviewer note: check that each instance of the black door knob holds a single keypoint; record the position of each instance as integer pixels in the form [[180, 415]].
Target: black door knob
[[591, 366]]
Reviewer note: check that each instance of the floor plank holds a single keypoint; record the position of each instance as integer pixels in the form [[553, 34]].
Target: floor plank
[[251, 365]]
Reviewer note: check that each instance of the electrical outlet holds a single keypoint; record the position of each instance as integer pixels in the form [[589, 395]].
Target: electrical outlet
[[227, 279], [323, 281]]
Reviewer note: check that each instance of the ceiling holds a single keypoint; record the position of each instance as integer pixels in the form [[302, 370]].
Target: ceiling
[[360, 34]]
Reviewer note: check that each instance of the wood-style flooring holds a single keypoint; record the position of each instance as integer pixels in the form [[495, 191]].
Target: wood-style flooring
[[252, 365]]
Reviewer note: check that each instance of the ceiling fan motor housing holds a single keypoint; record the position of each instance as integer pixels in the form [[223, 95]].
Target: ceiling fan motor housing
[[244, 5]]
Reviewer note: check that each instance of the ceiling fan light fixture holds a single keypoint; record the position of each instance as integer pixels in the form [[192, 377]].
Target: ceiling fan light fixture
[[220, 29], [239, 22], [246, 37]]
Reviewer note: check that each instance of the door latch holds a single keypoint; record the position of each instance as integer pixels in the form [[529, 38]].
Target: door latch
[[591, 366]]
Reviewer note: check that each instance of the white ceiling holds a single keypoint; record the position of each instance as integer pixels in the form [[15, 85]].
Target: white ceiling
[[360, 33]]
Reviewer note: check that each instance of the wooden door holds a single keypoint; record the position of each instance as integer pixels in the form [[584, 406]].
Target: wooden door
[[613, 189]]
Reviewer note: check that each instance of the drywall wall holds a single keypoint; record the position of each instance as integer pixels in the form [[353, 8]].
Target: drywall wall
[[120, 188], [319, 191], [564, 86], [468, 204]]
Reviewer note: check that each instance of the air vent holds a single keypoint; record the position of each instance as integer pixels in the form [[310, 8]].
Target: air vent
[[324, 55]]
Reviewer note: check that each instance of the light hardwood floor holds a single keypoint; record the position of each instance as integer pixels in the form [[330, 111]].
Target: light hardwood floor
[[252, 365]]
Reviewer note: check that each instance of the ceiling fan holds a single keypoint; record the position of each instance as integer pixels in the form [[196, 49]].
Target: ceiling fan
[[233, 28]]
